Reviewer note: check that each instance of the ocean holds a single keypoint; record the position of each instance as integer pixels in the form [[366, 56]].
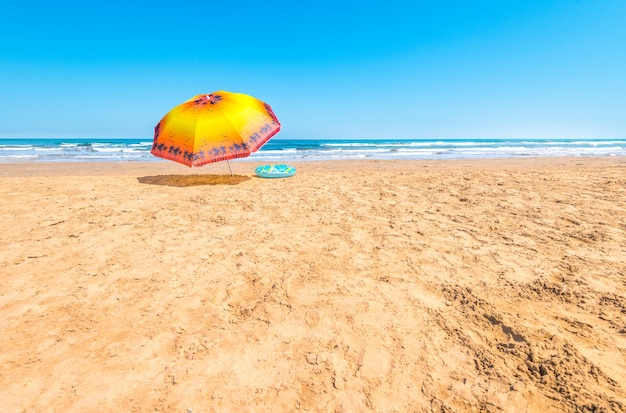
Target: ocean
[[292, 150]]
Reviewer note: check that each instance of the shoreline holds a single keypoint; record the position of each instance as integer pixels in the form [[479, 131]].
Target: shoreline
[[352, 286], [280, 151], [247, 167]]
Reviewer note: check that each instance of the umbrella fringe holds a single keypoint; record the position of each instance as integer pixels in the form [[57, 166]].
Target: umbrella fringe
[[171, 157], [202, 162]]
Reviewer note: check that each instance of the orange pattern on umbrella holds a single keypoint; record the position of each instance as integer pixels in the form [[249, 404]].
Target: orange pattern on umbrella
[[214, 127]]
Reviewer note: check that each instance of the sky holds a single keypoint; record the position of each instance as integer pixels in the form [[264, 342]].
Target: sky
[[329, 69]]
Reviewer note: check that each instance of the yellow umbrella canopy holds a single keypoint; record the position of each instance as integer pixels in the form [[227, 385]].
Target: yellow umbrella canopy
[[214, 127]]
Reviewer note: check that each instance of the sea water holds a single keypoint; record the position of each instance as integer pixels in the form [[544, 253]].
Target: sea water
[[293, 150]]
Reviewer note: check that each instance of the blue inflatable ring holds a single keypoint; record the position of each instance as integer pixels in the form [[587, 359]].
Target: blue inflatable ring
[[275, 171]]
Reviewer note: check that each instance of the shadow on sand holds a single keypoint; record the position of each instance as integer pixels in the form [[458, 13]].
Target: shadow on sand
[[192, 180]]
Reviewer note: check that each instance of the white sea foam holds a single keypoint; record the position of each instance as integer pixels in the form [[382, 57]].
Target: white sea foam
[[277, 150]]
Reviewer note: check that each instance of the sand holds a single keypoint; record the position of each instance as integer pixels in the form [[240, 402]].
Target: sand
[[484, 285]]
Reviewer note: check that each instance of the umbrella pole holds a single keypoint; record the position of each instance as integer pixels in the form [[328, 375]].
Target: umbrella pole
[[229, 167]]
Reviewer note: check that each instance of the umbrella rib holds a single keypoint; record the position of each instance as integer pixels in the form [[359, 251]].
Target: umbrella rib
[[233, 126]]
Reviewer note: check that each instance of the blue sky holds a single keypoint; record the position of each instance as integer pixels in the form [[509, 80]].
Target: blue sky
[[329, 69]]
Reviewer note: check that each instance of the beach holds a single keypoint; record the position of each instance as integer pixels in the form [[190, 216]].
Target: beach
[[354, 286]]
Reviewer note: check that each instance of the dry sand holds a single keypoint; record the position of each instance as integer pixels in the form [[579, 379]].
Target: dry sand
[[352, 287]]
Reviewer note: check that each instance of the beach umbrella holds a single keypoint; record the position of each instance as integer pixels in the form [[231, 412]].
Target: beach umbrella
[[214, 127]]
